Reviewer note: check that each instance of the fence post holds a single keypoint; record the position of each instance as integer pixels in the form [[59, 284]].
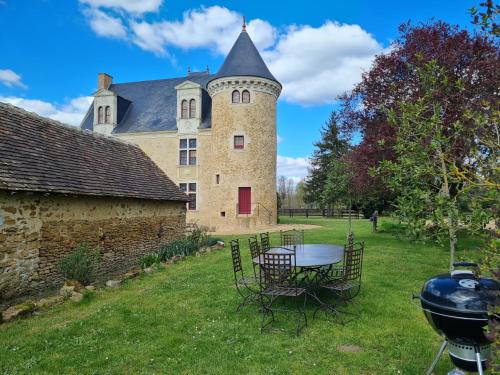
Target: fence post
[[307, 213]]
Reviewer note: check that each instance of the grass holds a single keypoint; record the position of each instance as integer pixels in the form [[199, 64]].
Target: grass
[[181, 320]]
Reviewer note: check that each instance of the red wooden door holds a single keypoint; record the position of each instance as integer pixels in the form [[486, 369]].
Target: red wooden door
[[244, 200]]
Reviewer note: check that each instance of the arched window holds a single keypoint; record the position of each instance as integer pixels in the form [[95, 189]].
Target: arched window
[[245, 96], [184, 109], [192, 108], [108, 115], [236, 96], [100, 115]]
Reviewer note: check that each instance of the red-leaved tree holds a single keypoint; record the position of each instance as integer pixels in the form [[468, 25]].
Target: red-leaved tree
[[469, 60]]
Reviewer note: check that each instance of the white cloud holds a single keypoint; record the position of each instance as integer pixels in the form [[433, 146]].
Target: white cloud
[[10, 78], [315, 65], [129, 6], [70, 113], [214, 27], [279, 139], [106, 25], [294, 168]]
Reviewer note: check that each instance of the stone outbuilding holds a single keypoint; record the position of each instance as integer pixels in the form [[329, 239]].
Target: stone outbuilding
[[61, 187]]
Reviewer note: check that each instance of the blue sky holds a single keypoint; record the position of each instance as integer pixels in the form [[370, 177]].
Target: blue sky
[[53, 50]]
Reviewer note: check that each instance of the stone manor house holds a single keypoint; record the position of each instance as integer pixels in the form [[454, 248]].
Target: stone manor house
[[214, 135]]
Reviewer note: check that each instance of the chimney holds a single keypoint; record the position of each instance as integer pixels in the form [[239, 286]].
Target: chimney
[[104, 81]]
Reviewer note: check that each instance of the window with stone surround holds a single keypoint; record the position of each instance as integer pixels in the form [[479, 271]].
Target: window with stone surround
[[190, 190], [192, 108], [184, 109], [239, 142], [100, 115], [187, 151], [108, 115], [235, 96], [245, 96]]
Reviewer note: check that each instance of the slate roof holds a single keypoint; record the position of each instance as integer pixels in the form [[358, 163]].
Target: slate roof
[[244, 60], [150, 106], [42, 155]]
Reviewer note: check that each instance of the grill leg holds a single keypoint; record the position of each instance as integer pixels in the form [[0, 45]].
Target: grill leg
[[478, 360], [438, 356]]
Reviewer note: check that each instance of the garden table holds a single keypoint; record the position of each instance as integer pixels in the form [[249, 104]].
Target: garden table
[[314, 262], [310, 255]]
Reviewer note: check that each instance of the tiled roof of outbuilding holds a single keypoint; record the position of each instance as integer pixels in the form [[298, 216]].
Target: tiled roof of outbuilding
[[42, 155], [244, 60]]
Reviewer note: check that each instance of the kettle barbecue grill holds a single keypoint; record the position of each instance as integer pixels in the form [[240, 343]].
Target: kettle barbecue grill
[[457, 306]]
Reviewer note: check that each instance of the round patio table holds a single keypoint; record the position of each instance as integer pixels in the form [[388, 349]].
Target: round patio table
[[310, 255]]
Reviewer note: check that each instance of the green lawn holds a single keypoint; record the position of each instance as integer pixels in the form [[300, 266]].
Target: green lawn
[[181, 320]]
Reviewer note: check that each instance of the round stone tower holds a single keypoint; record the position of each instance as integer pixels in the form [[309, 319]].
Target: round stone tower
[[243, 160]]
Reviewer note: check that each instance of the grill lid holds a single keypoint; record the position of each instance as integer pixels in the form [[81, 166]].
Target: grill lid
[[461, 292]]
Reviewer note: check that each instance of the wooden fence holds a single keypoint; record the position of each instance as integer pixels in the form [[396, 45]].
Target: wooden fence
[[324, 212]]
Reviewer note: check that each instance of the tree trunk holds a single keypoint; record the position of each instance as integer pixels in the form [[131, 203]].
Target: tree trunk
[[452, 222], [452, 229]]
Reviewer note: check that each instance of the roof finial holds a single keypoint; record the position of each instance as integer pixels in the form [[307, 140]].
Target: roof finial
[[244, 27], [189, 70]]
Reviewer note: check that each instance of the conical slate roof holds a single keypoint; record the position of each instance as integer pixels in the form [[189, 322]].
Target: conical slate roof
[[244, 60]]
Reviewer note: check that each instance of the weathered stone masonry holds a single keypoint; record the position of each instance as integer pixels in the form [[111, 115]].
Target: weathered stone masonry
[[36, 230]]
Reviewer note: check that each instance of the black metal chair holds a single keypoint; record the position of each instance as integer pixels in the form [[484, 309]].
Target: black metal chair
[[255, 252], [265, 244], [243, 283], [345, 281], [278, 279], [292, 237]]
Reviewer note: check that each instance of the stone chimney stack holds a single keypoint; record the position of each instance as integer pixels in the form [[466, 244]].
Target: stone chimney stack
[[104, 81]]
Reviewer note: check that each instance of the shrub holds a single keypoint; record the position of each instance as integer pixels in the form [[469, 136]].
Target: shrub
[[177, 247], [148, 260], [199, 235], [81, 264]]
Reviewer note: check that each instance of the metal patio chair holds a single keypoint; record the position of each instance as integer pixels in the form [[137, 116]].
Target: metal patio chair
[[292, 237], [278, 279], [255, 252], [247, 287], [265, 244], [345, 282]]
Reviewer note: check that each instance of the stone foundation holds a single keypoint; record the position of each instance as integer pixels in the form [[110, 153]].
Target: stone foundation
[[36, 231]]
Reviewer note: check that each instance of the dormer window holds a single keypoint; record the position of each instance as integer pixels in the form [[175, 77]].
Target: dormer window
[[236, 96], [100, 115], [184, 109], [108, 115], [245, 96], [192, 108]]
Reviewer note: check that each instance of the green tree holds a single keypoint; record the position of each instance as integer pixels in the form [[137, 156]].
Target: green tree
[[300, 191], [426, 172], [328, 151]]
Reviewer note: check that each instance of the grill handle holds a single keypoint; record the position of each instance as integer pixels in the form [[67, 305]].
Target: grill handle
[[465, 264]]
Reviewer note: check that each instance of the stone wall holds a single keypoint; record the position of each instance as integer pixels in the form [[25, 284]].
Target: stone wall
[[254, 166], [37, 230]]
